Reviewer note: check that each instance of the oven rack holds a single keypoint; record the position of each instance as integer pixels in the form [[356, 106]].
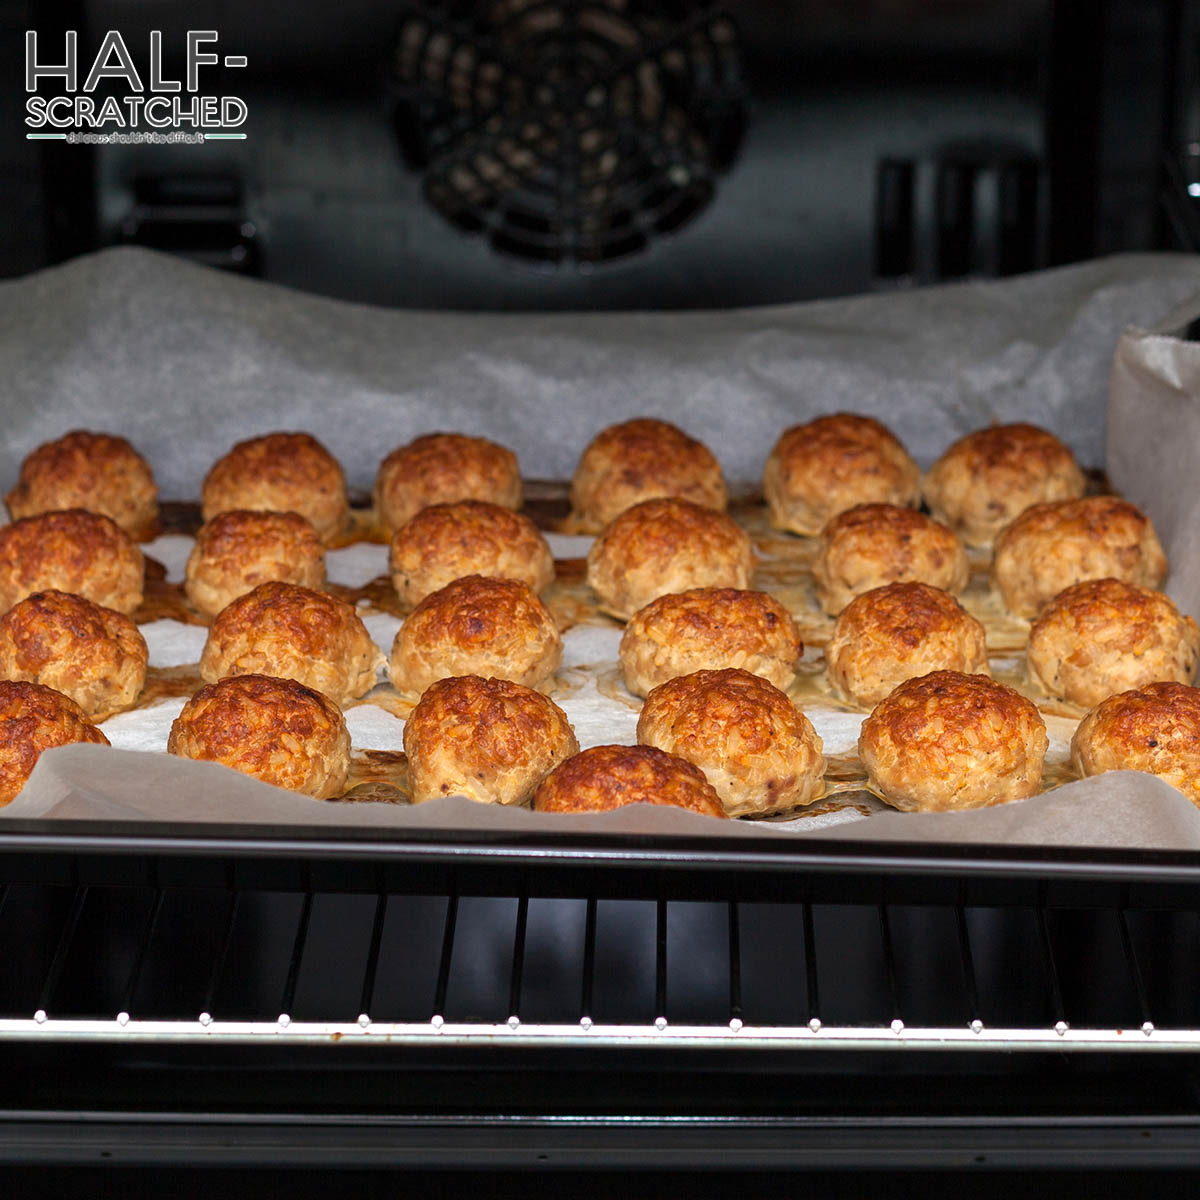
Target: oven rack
[[224, 997], [241, 964]]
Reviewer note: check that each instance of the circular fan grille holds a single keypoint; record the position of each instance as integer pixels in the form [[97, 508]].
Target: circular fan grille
[[569, 132]]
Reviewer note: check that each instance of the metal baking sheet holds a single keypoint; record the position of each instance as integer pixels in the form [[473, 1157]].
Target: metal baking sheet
[[951, 358]]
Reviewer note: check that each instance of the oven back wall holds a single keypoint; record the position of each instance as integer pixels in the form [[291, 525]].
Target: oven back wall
[[843, 105]]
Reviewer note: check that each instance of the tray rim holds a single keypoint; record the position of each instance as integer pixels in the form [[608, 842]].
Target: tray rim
[[826, 855]]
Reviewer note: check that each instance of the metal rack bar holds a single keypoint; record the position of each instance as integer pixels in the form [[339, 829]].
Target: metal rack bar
[[139, 962], [488, 1034], [810, 967], [1135, 970], [367, 995], [443, 976], [735, 964], [518, 958], [889, 962], [59, 961], [297, 957], [1060, 1015], [218, 970], [970, 986], [660, 963], [589, 961]]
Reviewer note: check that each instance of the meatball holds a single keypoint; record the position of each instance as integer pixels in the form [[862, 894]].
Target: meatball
[[95, 471], [96, 656], [442, 468], [34, 718], [71, 551], [664, 546], [1051, 546], [948, 741], [608, 777], [757, 750], [642, 459], [238, 550], [899, 631], [476, 626], [988, 478], [873, 544], [706, 629], [818, 470], [280, 472], [276, 730], [444, 542], [488, 739]]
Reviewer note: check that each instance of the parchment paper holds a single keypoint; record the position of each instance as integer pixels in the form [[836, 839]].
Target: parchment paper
[[185, 361]]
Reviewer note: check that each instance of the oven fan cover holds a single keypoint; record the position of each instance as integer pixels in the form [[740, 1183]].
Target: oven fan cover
[[569, 133]]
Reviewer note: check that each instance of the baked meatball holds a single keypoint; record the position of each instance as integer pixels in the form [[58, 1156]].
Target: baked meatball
[[71, 551], [96, 471], [277, 730], [444, 542], [608, 777], [476, 626], [707, 629], [293, 632], [34, 718], [991, 476], [96, 656], [441, 468], [897, 632], [948, 741], [1155, 728], [831, 464], [873, 544], [280, 472], [488, 739], [238, 550], [1052, 546], [641, 460], [754, 746], [1105, 636], [663, 546]]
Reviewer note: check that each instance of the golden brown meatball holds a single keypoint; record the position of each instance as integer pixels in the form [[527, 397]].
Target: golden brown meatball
[[476, 626], [947, 741], [444, 542], [96, 656], [280, 472], [831, 464], [442, 468], [238, 550], [666, 546], [1105, 636], [988, 478], [1155, 728], [34, 718], [96, 471], [638, 460], [488, 739], [71, 551], [873, 544], [608, 777], [760, 753], [897, 632], [706, 629], [1052, 546], [292, 632], [277, 730]]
